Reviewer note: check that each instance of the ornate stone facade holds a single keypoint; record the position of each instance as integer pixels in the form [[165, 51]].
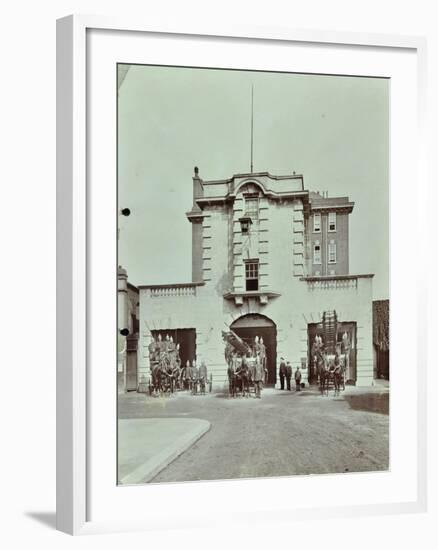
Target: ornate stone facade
[[263, 247]]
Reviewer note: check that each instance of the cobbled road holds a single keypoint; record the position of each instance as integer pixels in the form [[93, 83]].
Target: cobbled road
[[282, 434]]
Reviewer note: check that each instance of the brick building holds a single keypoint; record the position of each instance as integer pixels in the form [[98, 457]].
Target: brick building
[[268, 259]]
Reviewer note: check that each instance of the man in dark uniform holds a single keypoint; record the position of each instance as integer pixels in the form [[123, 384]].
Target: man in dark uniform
[[256, 346], [188, 376], [195, 377], [160, 345], [202, 376], [282, 372], [259, 375], [288, 374], [298, 379], [167, 344], [262, 349]]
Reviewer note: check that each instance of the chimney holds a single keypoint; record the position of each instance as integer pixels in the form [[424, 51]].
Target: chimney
[[198, 190], [195, 217]]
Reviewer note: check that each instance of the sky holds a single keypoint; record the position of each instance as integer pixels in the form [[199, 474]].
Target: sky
[[334, 130]]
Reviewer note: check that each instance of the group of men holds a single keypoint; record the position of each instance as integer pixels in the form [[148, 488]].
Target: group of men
[[166, 353], [285, 372], [159, 349], [193, 377]]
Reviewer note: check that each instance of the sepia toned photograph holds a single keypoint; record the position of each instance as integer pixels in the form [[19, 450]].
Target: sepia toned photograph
[[253, 274]]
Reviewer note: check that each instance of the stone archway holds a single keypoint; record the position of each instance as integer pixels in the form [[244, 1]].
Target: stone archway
[[251, 325]]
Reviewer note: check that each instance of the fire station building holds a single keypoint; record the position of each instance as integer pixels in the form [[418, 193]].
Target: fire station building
[[269, 257]]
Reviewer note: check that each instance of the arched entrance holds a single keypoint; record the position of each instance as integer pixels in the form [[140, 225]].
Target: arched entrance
[[248, 327]]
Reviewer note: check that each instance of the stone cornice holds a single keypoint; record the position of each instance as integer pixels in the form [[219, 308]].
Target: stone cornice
[[252, 175], [323, 208], [228, 199]]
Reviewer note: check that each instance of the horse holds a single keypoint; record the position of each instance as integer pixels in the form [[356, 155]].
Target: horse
[[324, 378], [242, 376], [166, 372], [324, 372], [231, 380], [163, 375], [337, 378], [155, 385], [331, 368]]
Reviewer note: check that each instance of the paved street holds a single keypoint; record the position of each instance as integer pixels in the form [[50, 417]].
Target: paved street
[[284, 433]]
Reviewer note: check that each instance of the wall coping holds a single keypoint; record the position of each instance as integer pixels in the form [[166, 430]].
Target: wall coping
[[338, 277], [174, 285]]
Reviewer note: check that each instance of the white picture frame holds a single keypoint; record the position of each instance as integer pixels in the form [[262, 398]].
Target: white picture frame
[[75, 213]]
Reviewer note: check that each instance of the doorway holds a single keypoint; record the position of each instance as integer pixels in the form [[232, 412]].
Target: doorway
[[348, 328], [248, 327]]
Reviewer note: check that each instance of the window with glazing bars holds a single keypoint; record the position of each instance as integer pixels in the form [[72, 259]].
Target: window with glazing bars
[[317, 253], [252, 275], [332, 221], [332, 253], [317, 223], [252, 208]]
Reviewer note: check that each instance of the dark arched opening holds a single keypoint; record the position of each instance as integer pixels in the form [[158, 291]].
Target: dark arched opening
[[251, 325]]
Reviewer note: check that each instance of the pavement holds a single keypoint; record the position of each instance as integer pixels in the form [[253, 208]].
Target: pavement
[[147, 445], [285, 433]]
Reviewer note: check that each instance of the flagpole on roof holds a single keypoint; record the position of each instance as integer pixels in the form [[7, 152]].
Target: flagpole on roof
[[252, 127]]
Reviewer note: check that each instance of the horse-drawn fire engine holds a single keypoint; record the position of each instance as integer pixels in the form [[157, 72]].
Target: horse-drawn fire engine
[[330, 354], [241, 360]]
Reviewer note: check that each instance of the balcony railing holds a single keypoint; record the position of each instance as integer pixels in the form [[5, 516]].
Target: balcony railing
[[172, 291], [334, 282]]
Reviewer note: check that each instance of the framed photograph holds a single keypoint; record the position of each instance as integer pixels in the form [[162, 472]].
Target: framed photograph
[[238, 229]]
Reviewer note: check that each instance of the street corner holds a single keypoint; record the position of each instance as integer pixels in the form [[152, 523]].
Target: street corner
[[148, 445]]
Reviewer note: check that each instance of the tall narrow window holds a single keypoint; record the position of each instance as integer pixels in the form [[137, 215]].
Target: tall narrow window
[[332, 221], [316, 223], [332, 252], [252, 208], [252, 275], [317, 253]]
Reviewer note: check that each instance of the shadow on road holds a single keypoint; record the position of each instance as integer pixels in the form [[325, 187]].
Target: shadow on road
[[370, 402], [222, 395], [226, 395]]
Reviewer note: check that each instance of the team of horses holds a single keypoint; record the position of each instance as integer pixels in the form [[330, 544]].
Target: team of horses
[[240, 379], [167, 377], [331, 372]]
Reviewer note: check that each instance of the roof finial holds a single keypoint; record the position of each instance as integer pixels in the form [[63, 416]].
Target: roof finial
[[252, 127]]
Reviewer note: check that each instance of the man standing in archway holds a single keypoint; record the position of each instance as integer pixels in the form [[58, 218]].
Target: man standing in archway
[[259, 375], [282, 373], [288, 375], [298, 379], [262, 349]]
